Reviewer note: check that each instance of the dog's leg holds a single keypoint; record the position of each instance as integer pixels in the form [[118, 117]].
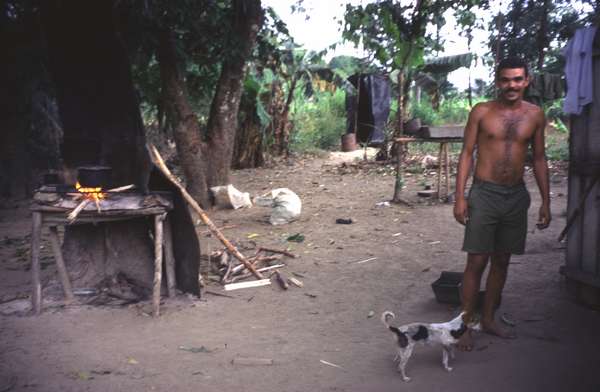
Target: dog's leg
[[404, 357], [446, 352]]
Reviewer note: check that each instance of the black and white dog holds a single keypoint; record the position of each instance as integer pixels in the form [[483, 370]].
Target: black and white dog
[[407, 336]]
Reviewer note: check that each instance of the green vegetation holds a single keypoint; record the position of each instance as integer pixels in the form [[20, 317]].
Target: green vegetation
[[318, 122], [452, 111]]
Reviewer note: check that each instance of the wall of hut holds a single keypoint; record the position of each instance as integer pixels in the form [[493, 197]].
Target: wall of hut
[[583, 238]]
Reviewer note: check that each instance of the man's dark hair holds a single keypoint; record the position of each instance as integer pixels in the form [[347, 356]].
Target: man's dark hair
[[512, 63]]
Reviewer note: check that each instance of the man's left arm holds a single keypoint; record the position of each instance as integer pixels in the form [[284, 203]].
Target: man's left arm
[[540, 169]]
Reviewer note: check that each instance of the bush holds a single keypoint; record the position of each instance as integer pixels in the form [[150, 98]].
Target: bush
[[318, 122]]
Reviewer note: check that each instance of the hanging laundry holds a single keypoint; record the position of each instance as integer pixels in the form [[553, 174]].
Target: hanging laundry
[[578, 70]]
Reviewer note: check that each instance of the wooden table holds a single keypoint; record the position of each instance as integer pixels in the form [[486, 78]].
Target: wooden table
[[443, 161], [51, 209]]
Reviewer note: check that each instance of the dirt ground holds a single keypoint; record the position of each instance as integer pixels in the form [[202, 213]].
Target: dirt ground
[[385, 260]]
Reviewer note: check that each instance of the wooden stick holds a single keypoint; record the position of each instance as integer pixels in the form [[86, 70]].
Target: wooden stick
[[121, 188], [439, 173], [247, 275], [582, 200], [240, 267], [158, 161], [243, 285], [225, 278], [73, 215], [283, 252], [60, 265], [36, 239], [169, 258], [447, 168], [158, 241], [295, 282]]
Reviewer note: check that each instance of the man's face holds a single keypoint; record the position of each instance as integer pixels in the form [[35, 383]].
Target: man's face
[[512, 83]]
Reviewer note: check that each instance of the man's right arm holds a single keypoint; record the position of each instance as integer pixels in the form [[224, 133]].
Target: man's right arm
[[465, 161]]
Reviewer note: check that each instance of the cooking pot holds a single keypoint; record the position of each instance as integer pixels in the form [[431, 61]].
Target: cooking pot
[[94, 176]]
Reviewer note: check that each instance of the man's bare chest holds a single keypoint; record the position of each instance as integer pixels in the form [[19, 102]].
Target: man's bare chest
[[517, 128]]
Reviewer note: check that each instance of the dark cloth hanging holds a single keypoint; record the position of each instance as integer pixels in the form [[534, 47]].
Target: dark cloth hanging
[[373, 106]]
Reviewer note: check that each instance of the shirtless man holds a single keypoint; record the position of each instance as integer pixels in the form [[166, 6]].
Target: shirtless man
[[495, 212]]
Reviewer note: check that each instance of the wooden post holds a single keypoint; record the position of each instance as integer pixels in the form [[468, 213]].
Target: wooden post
[[158, 241], [447, 168], [439, 173], [60, 265], [36, 238], [169, 258]]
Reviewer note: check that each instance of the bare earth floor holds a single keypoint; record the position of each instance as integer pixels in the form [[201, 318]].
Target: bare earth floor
[[305, 330]]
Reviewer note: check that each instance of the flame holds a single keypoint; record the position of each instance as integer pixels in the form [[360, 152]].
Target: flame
[[91, 193]]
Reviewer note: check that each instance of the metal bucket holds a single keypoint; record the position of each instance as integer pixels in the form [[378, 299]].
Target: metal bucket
[[349, 142]]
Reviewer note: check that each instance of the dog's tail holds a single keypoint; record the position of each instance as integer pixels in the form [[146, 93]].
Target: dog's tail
[[400, 336], [385, 317]]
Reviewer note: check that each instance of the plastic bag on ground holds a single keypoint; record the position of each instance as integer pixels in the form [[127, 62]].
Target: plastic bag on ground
[[286, 205], [227, 196]]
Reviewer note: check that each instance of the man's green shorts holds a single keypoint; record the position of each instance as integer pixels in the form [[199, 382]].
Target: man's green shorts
[[497, 218]]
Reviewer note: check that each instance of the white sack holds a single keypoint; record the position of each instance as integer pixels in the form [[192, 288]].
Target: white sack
[[227, 196], [286, 205]]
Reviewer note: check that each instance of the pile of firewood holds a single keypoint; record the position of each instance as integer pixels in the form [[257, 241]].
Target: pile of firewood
[[265, 260]]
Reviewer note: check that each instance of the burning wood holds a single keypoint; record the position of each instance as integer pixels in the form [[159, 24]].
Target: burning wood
[[88, 194]]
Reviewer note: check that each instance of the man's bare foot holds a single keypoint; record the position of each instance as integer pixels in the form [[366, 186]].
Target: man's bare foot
[[465, 342], [493, 329]]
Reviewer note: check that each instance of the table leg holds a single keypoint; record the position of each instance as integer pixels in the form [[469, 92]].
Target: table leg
[[169, 258], [439, 173], [158, 243], [60, 265], [36, 238], [447, 168]]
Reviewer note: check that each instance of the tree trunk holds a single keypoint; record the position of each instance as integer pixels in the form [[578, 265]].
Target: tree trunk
[[542, 38], [206, 163], [248, 148], [191, 149], [399, 183], [223, 117], [282, 133]]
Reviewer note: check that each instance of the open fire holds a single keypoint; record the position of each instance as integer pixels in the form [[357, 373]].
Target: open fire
[[94, 194]]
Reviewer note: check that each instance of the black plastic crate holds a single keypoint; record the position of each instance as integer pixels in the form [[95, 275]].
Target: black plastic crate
[[447, 287], [447, 290]]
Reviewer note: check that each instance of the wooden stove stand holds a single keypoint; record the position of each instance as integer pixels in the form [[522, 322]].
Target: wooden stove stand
[[53, 216]]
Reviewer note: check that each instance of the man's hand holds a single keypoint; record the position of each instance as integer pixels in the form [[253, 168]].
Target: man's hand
[[544, 218], [461, 213]]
